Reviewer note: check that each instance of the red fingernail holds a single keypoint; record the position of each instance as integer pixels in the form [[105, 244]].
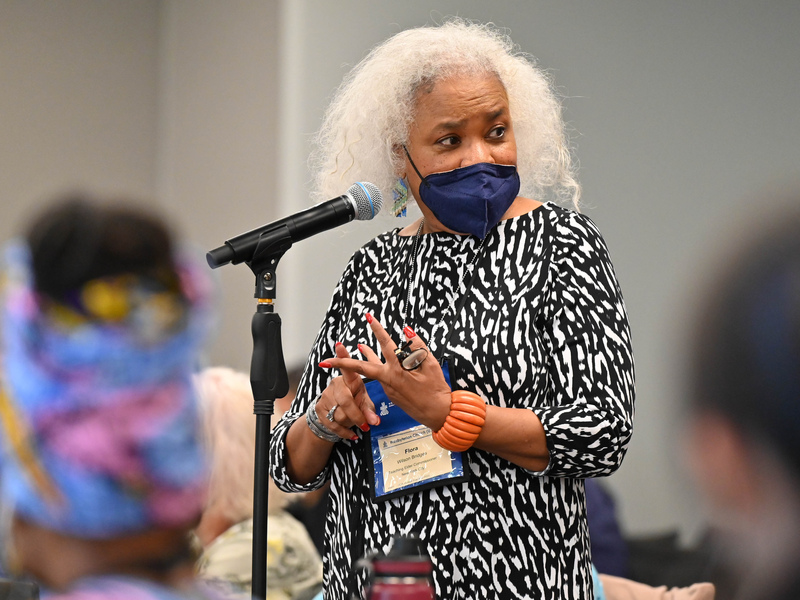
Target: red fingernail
[[361, 348], [369, 318], [364, 427], [409, 333], [325, 364], [354, 438], [337, 344]]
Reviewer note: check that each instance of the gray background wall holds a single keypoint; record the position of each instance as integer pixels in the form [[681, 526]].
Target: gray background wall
[[684, 115]]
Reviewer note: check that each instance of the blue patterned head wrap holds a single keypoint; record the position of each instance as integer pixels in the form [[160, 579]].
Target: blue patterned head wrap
[[97, 406]]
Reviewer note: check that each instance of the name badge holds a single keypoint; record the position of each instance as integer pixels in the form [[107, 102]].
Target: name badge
[[402, 454]]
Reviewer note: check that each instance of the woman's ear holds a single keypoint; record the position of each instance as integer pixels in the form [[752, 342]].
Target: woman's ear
[[399, 160]]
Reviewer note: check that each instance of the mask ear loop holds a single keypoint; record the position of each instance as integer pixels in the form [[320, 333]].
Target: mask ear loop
[[425, 181]]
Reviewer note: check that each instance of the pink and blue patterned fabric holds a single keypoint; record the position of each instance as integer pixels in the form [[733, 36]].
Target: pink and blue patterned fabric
[[117, 587], [99, 418]]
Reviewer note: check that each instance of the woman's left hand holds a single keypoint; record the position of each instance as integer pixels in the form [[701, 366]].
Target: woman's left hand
[[422, 392]]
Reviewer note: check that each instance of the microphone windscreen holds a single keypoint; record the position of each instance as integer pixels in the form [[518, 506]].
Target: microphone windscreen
[[368, 199]]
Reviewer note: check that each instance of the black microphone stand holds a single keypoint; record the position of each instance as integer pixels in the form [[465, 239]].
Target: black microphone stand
[[268, 380]]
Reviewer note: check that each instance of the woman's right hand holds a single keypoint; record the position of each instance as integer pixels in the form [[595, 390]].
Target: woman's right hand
[[348, 400], [307, 454]]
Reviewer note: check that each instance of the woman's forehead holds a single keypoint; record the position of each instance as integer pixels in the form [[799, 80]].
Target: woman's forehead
[[461, 96], [457, 79]]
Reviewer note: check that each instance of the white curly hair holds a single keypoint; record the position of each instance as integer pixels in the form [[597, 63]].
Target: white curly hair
[[369, 116], [226, 405]]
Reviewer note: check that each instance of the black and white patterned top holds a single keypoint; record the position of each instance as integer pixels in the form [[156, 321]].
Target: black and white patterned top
[[544, 328]]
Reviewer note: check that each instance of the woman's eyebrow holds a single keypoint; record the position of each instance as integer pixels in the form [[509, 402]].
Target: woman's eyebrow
[[451, 124], [459, 123]]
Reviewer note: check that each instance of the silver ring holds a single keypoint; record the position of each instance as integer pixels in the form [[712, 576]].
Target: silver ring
[[331, 412]]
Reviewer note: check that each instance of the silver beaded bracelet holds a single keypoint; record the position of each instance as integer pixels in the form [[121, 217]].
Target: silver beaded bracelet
[[316, 426]]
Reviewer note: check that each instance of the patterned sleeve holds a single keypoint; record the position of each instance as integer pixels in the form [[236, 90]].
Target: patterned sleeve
[[313, 382], [589, 421]]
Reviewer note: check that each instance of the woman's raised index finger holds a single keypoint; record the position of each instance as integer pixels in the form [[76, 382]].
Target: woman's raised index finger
[[351, 378], [384, 339], [362, 367]]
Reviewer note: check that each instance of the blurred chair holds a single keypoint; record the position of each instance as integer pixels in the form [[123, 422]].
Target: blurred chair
[[18, 590]]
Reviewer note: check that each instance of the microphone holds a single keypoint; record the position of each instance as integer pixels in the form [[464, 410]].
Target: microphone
[[361, 202]]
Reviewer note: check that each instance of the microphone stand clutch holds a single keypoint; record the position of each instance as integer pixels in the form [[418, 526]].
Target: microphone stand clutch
[[268, 380]]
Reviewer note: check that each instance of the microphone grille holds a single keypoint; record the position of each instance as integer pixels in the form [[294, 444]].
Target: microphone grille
[[368, 199]]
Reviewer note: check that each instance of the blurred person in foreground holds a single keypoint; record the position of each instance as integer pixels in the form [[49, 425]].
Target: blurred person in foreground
[[294, 567], [744, 434], [514, 293], [103, 466]]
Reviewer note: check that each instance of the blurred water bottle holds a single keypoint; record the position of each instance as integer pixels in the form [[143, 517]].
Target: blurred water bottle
[[405, 573]]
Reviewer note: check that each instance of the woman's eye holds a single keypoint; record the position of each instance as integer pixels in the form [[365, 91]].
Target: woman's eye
[[497, 132], [450, 140]]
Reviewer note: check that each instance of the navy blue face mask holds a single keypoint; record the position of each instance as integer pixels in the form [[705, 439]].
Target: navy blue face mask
[[469, 199]]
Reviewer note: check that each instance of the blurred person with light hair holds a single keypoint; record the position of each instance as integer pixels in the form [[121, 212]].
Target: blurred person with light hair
[[294, 567]]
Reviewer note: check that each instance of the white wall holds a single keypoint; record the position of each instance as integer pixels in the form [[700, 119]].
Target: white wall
[[170, 103], [219, 148], [78, 101]]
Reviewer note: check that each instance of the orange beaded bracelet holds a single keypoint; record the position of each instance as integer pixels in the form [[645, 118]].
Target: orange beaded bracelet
[[464, 423]]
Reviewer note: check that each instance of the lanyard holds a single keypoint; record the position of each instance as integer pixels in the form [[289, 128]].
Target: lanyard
[[462, 300]]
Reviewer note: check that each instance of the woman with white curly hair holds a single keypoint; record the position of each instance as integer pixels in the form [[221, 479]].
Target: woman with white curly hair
[[476, 365]]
